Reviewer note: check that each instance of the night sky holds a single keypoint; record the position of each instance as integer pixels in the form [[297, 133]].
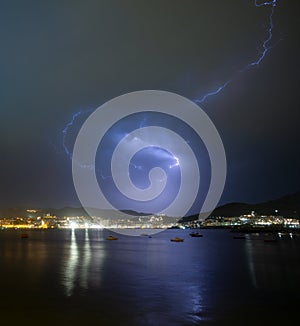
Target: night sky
[[60, 57]]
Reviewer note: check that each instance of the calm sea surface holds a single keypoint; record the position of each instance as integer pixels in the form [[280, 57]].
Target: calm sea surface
[[65, 277]]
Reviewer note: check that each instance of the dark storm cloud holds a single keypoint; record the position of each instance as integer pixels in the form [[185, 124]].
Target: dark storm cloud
[[61, 56]]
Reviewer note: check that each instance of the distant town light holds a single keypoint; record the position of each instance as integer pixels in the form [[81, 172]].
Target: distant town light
[[73, 225]]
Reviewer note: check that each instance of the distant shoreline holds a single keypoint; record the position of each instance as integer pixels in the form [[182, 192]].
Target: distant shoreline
[[283, 230]]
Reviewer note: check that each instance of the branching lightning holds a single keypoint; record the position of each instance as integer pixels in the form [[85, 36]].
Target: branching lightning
[[66, 130], [265, 48], [265, 45], [215, 92], [177, 163]]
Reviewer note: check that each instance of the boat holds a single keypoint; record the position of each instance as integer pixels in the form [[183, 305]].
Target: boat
[[270, 240], [196, 234], [24, 236], [110, 237], [239, 237], [176, 239], [146, 235]]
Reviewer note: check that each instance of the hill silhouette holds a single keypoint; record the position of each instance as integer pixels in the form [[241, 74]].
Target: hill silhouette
[[287, 206]]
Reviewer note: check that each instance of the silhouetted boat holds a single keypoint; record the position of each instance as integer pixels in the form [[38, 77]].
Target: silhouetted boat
[[196, 234], [146, 235], [24, 236], [239, 237]]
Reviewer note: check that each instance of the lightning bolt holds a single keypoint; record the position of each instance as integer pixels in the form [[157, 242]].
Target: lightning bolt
[[265, 48], [66, 130], [211, 93], [265, 45], [177, 163]]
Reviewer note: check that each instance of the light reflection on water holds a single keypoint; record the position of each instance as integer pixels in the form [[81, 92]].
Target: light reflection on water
[[71, 266], [273, 265], [85, 279], [77, 269], [86, 261], [140, 275]]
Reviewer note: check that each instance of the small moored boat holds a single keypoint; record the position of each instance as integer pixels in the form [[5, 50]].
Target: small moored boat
[[176, 239], [196, 234], [24, 236], [146, 235], [110, 237]]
